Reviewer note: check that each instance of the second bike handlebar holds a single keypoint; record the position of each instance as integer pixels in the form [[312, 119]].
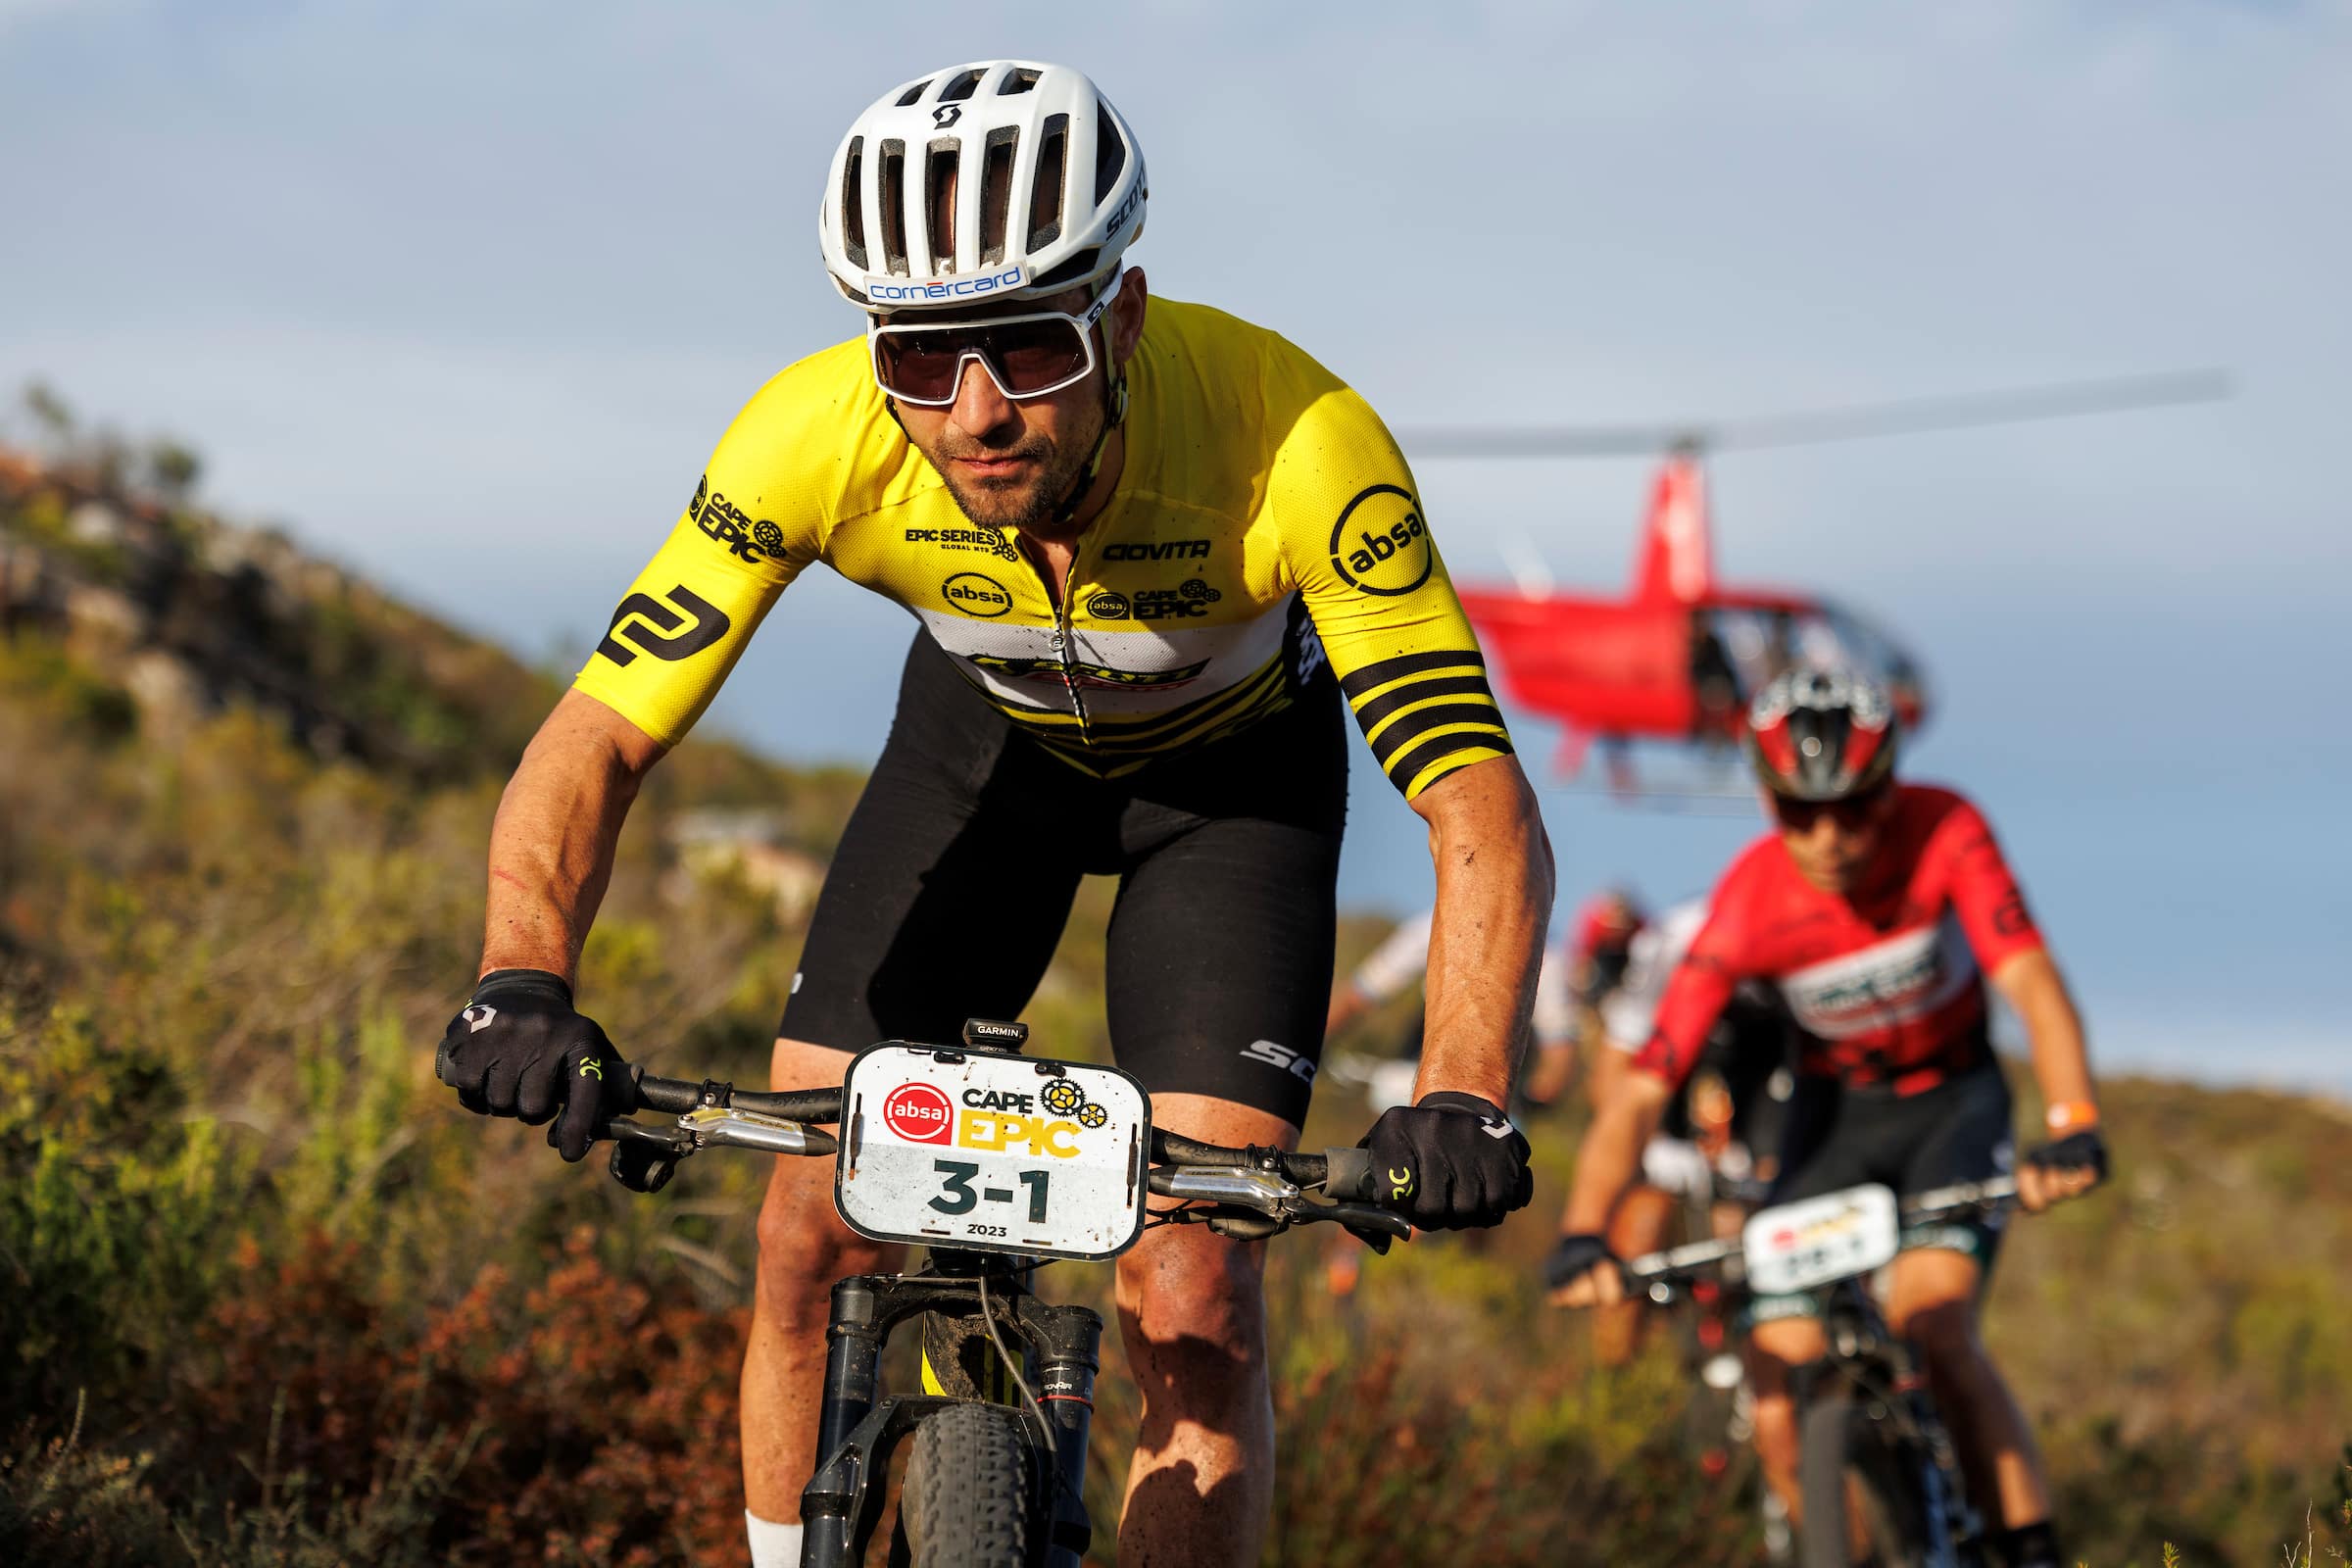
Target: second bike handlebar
[[1683, 1263]]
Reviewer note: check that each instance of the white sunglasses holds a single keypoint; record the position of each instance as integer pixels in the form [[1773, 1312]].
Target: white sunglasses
[[1026, 356]]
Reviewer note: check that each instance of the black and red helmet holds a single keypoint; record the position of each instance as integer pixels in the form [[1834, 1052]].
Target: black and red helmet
[[1820, 735]]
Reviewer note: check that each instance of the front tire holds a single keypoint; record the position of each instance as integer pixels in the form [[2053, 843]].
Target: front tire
[[1863, 1492], [969, 1493]]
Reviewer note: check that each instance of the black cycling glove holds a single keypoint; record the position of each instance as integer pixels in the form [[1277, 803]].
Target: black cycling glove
[[519, 1050], [2082, 1150], [1451, 1163], [1574, 1256]]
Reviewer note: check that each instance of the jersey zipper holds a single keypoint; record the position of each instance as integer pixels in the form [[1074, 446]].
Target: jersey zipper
[[1065, 638]]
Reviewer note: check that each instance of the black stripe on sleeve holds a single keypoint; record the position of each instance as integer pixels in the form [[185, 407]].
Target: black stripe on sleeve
[[1387, 703], [1421, 721], [1365, 679], [1448, 772], [1402, 769]]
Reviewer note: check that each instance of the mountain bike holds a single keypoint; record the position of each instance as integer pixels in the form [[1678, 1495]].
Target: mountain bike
[[998, 1162], [1878, 1472]]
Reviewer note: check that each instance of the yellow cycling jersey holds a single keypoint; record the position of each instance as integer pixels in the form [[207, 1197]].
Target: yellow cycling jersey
[[1263, 522]]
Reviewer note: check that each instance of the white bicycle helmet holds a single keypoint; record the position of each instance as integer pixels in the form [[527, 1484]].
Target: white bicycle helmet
[[1000, 179]]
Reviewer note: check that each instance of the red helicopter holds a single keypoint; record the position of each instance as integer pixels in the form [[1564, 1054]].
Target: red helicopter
[[1676, 659]]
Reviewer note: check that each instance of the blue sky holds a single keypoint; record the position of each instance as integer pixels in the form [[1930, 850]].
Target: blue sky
[[464, 294]]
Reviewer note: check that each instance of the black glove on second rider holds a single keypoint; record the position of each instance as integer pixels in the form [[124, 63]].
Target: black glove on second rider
[[1573, 1257], [2082, 1150], [1451, 1163], [519, 1050]]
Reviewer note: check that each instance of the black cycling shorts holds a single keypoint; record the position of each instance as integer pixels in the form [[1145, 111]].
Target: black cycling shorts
[[954, 876], [1840, 1137]]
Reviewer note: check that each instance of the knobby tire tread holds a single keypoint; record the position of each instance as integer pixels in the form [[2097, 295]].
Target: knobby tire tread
[[1839, 1441], [968, 1497]]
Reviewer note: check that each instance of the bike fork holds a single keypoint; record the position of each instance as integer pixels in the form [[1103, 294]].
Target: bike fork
[[852, 1372], [1069, 1354]]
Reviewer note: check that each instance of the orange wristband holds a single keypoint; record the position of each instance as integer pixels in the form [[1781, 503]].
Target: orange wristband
[[2071, 1117]]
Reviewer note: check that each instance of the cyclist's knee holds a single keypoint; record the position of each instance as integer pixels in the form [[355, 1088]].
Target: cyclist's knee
[[1192, 1285], [1945, 1333], [804, 1246]]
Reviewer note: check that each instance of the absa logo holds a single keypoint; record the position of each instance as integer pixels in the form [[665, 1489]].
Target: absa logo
[[920, 1113]]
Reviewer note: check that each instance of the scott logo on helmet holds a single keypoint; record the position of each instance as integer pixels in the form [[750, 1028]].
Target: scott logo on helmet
[[1380, 545]]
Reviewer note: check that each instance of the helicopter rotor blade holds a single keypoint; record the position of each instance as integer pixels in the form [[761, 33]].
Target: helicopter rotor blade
[[1904, 417]]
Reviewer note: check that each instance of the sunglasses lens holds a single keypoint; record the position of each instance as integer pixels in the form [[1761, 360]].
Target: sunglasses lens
[[1851, 814], [919, 367], [1028, 358], [1035, 356]]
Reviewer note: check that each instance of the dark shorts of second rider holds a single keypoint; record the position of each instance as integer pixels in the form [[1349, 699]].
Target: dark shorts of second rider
[[949, 892], [1844, 1136]]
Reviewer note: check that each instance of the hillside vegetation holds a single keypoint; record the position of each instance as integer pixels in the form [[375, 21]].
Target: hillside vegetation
[[270, 1297]]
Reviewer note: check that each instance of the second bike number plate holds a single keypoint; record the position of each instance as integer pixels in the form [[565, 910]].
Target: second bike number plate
[[1814, 1241], [992, 1152]]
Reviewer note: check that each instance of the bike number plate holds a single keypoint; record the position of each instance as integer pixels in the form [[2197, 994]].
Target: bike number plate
[[992, 1152], [1802, 1246]]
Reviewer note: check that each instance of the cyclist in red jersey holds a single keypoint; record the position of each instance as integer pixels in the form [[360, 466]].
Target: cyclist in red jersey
[[1878, 910]]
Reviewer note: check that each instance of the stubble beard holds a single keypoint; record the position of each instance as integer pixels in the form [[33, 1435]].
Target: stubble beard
[[1028, 505]]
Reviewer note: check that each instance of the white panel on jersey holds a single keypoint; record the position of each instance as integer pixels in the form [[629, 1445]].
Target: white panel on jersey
[[1889, 982]]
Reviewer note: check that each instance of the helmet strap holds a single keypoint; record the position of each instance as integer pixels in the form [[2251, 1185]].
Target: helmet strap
[[1114, 415]]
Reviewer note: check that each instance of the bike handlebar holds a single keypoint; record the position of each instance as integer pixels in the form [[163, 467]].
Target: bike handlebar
[[1258, 1177], [1683, 1263]]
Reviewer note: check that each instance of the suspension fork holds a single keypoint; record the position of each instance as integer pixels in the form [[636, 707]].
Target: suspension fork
[[1067, 1354]]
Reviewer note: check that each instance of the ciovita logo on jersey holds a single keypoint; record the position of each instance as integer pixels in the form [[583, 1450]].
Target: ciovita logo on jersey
[[1380, 545]]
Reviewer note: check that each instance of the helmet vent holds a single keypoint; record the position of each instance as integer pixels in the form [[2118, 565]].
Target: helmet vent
[[1022, 80], [939, 202], [962, 87], [907, 98], [1110, 153], [1044, 196], [852, 211], [894, 205], [995, 192], [1071, 270]]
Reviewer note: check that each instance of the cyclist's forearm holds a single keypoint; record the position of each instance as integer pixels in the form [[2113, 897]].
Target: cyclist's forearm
[[552, 843], [2034, 987], [1610, 1155], [1485, 942]]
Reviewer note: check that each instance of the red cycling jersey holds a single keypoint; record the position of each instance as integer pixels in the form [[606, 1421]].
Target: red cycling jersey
[[1887, 985]]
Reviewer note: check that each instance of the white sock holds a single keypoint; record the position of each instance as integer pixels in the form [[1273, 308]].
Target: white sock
[[773, 1546]]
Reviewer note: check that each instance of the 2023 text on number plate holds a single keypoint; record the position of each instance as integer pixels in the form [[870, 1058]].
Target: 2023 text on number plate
[[1814, 1241], [993, 1152]]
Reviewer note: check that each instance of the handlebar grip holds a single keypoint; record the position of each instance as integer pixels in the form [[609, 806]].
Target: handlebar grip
[[1348, 1175], [674, 1096]]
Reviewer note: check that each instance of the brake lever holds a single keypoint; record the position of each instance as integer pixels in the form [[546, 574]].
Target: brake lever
[[1367, 1221], [643, 1158]]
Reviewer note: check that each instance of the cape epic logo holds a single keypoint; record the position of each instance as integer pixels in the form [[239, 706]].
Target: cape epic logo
[[1380, 544], [920, 1113]]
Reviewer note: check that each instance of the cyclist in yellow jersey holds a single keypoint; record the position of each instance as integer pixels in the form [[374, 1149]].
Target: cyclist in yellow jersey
[[1264, 522], [1156, 553]]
